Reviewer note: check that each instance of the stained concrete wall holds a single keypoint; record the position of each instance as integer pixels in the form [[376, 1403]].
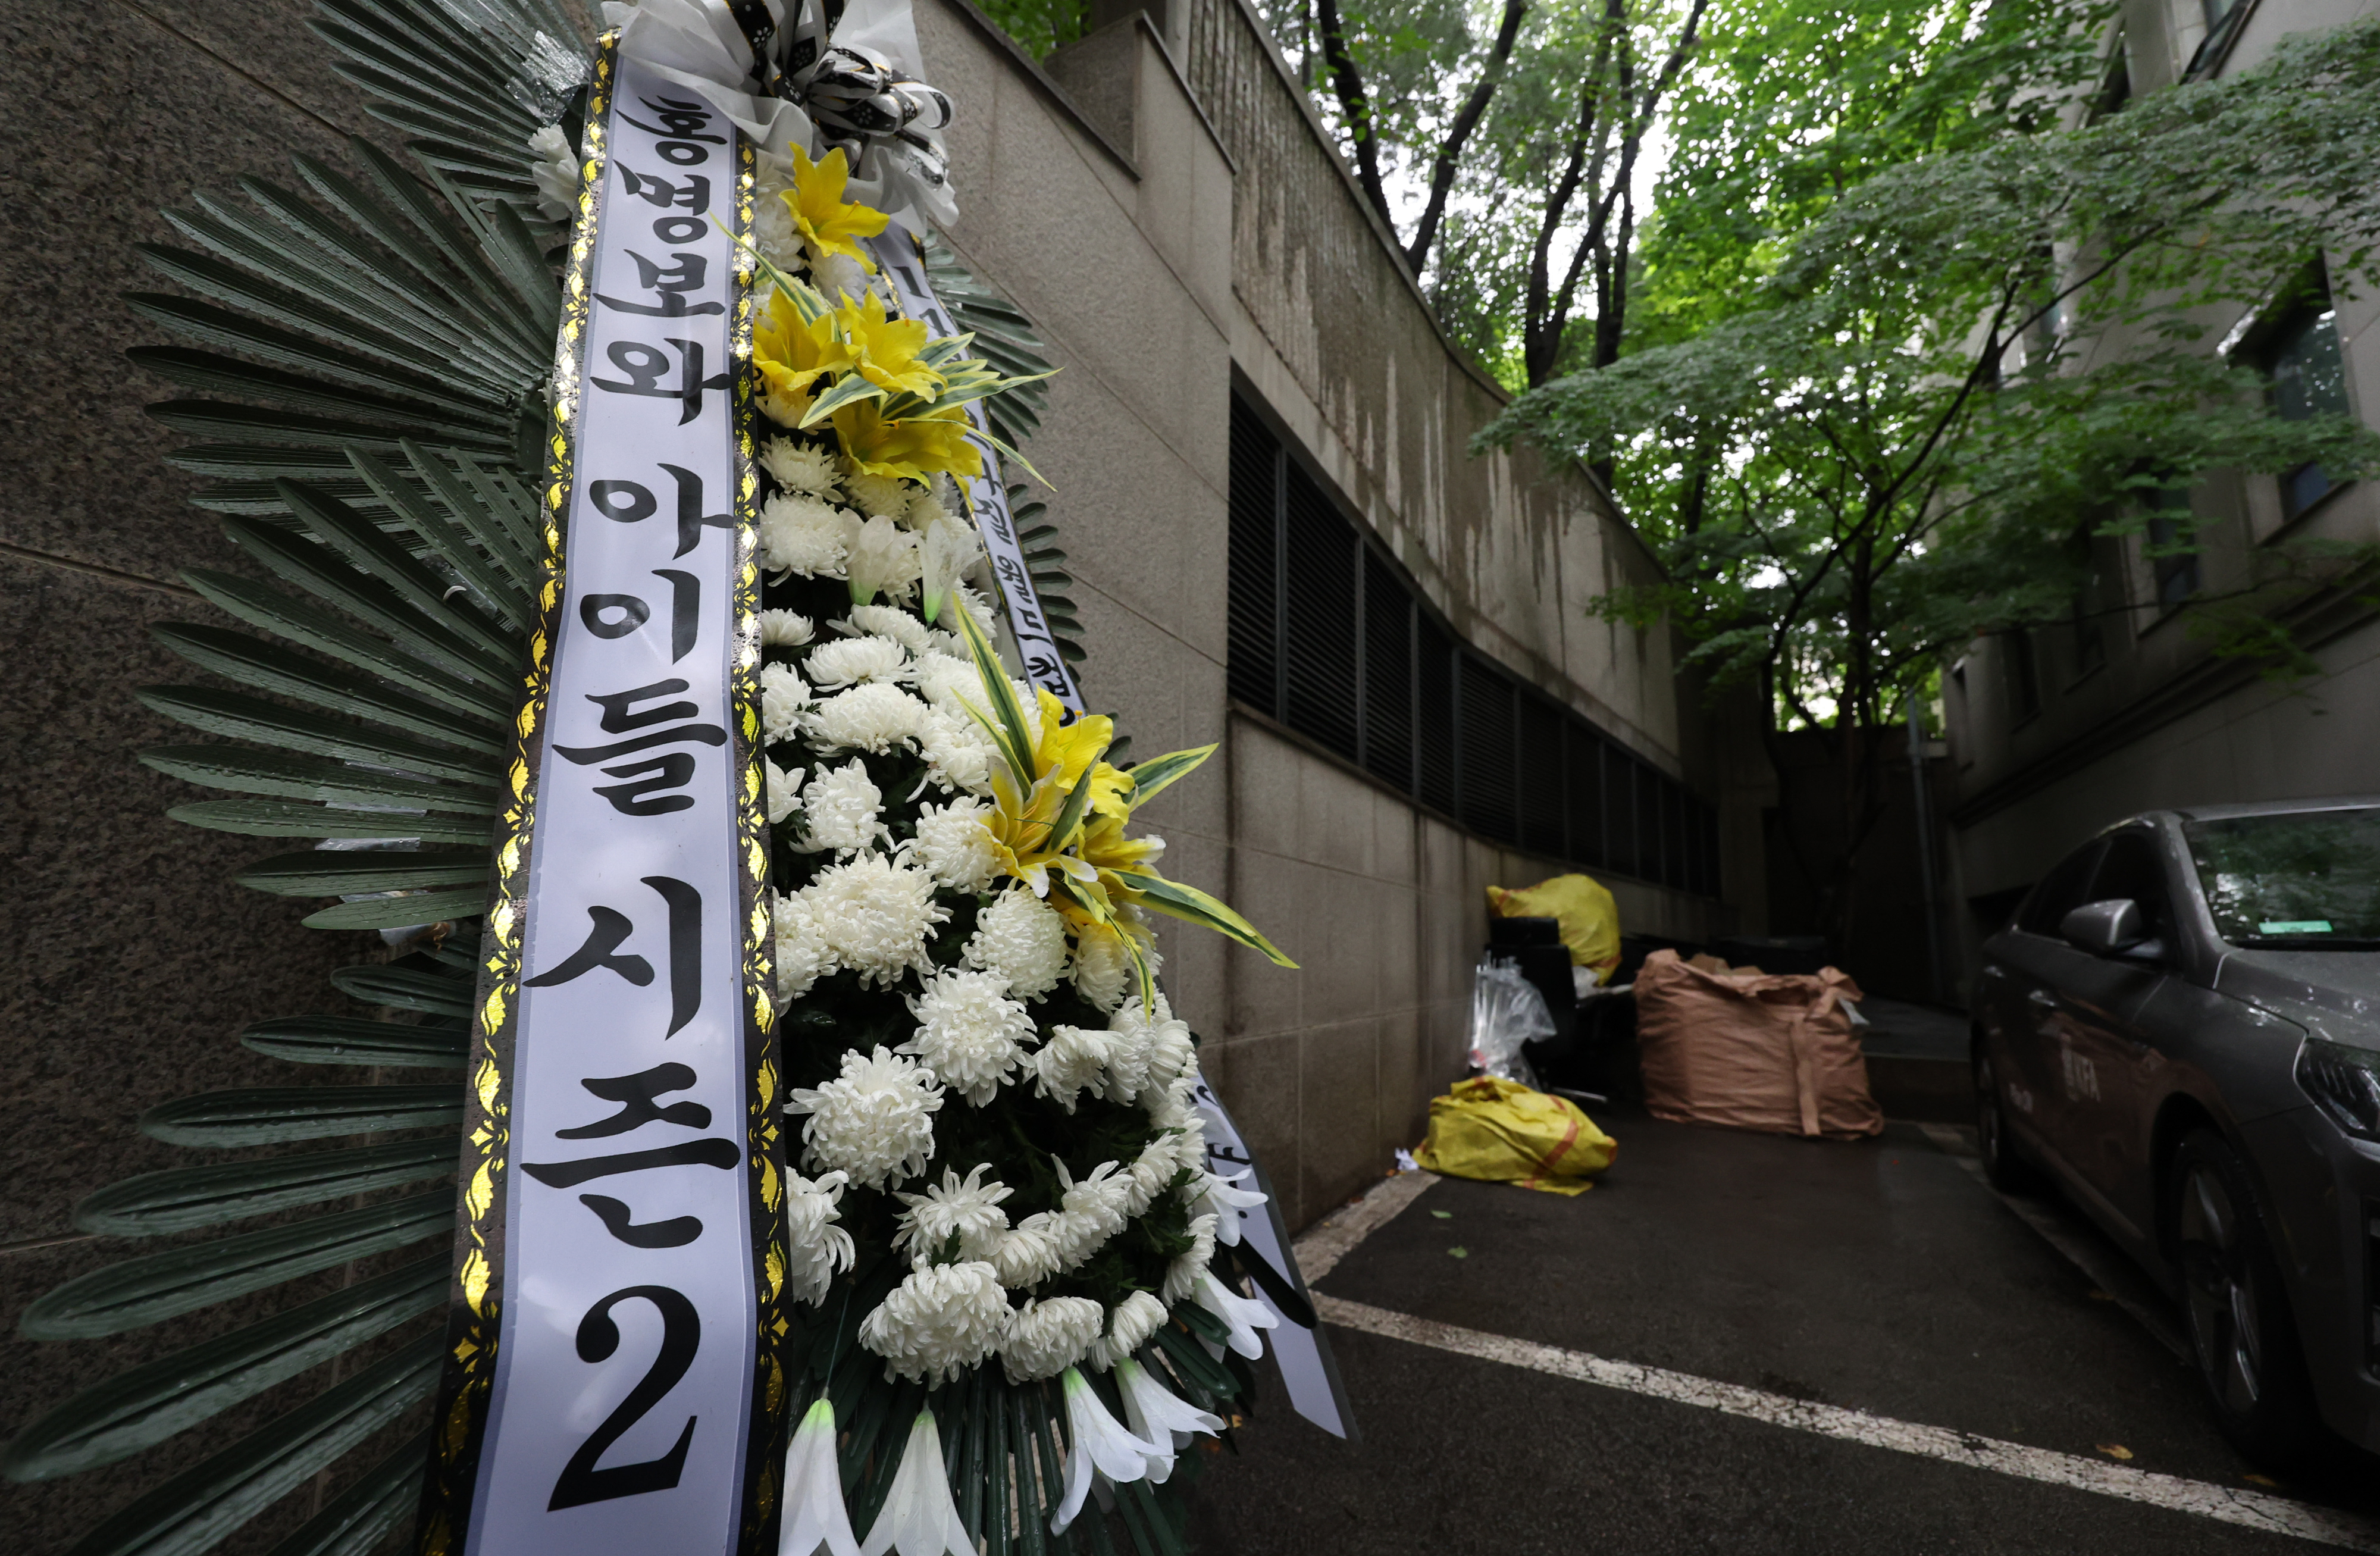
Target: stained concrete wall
[[1163, 202], [132, 960]]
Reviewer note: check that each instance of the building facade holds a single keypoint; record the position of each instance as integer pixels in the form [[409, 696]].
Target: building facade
[[2057, 733]]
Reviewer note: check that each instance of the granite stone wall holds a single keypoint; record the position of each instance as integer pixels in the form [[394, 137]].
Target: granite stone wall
[[132, 961]]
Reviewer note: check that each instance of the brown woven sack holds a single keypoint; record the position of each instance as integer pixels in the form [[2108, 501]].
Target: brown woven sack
[[1749, 1049]]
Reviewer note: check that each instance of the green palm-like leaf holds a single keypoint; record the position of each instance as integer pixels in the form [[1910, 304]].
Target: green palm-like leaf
[[1194, 906], [151, 1403]]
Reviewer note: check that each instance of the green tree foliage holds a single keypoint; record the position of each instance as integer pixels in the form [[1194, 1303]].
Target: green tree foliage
[[1790, 104], [1501, 143], [1883, 449]]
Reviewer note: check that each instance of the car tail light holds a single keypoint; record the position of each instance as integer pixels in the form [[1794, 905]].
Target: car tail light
[[2345, 1082]]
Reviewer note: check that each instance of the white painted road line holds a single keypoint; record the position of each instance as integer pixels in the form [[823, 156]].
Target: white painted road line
[[2254, 1510], [1335, 1236]]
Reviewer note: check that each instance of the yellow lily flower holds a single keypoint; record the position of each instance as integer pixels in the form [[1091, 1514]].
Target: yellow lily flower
[[793, 356], [887, 349], [1066, 750], [1024, 827], [826, 224], [911, 449]]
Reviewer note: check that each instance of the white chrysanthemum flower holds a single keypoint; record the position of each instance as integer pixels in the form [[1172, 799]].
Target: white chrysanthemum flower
[[785, 629], [1027, 1255], [1023, 940], [799, 942], [1189, 1136], [842, 810], [1099, 1197], [887, 621], [1171, 1054], [1150, 1172], [969, 1211], [926, 506], [943, 680], [1092, 1212], [556, 172], [1129, 1323], [838, 276], [784, 698], [1072, 1062], [878, 496], [1049, 1335], [1128, 1056], [1177, 1106], [871, 717], [807, 534], [817, 1248], [958, 754], [848, 662], [974, 603], [882, 559], [954, 845], [938, 1322], [875, 914], [1182, 1274], [804, 469], [874, 1120], [783, 790], [1102, 972], [969, 1032], [773, 232]]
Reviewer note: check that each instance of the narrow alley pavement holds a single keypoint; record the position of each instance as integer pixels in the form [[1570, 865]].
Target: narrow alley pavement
[[1987, 1392]]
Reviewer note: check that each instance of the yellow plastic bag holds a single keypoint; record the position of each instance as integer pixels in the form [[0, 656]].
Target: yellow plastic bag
[[1500, 1131], [1590, 919]]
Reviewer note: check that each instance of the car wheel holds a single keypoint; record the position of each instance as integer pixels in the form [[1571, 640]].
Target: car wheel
[[2008, 1172], [2241, 1327]]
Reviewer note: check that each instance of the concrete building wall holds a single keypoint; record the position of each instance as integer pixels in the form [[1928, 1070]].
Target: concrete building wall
[[1163, 203], [2160, 720]]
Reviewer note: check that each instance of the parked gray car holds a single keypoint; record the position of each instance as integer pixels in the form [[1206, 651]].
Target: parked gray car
[[2181, 1026]]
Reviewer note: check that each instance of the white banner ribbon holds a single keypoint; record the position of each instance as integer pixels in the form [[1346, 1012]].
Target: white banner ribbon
[[896, 256], [618, 1423]]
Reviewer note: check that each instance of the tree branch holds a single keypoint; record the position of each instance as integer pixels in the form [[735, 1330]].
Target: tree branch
[[1458, 134], [1347, 85]]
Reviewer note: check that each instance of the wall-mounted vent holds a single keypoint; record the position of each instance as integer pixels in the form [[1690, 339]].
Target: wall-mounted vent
[[1328, 636]]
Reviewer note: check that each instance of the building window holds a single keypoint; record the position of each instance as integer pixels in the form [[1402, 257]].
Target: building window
[[2090, 644], [2172, 548], [2309, 379], [1328, 637], [2023, 674]]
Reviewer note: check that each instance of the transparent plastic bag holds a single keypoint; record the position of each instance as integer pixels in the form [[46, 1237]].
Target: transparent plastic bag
[[1505, 1011]]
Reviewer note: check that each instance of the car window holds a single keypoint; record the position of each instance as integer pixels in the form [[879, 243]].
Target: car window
[[2061, 890], [2307, 880], [2131, 867]]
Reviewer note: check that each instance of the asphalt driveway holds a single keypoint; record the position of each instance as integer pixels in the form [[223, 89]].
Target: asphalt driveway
[[1881, 1277]]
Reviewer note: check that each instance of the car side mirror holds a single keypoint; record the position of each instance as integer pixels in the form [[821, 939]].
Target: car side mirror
[[2105, 928]]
